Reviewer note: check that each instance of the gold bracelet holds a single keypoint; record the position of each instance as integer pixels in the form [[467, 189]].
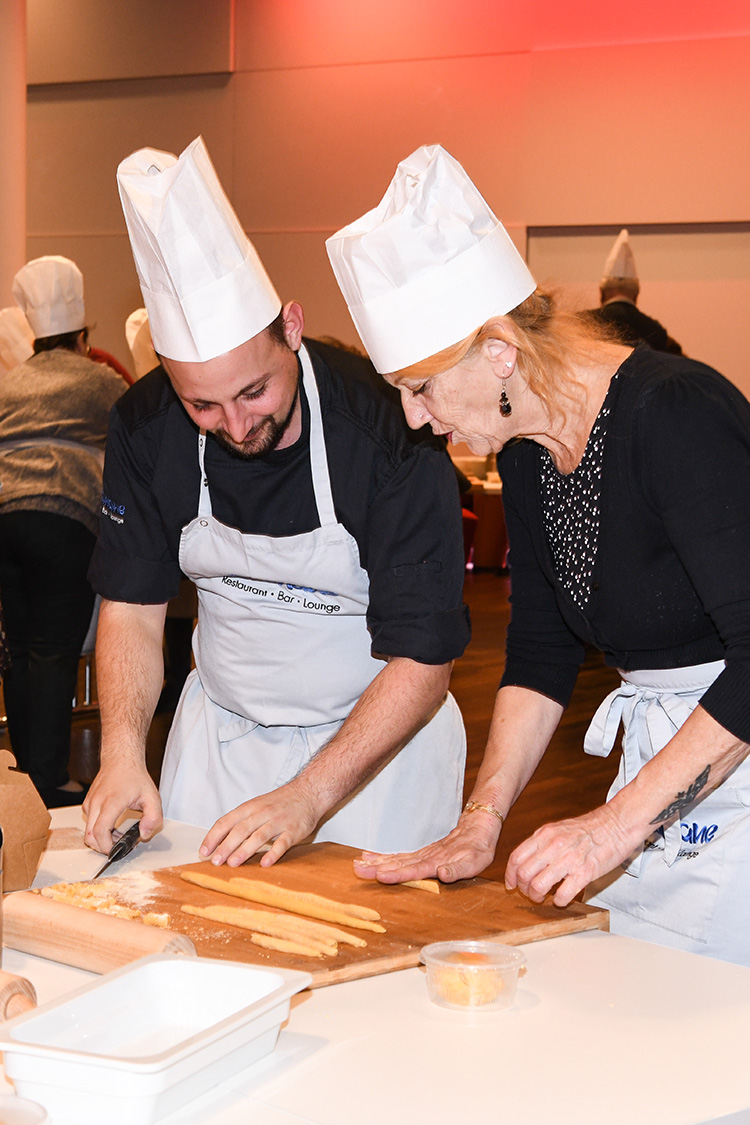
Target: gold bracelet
[[474, 806]]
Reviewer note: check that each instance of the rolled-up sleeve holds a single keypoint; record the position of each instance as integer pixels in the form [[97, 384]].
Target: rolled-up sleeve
[[133, 561]]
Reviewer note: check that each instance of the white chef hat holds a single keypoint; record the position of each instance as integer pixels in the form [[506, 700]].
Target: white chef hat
[[138, 335], [203, 284], [429, 265], [49, 291], [16, 338], [620, 261]]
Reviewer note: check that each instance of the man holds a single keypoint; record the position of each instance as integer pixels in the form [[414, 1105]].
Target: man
[[618, 292], [325, 542]]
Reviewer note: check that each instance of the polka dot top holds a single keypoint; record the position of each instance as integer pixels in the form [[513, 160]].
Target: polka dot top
[[570, 509]]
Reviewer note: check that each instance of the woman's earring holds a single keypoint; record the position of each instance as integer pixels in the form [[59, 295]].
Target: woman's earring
[[505, 408]]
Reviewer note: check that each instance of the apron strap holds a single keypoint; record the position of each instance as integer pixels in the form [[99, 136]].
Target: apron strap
[[204, 497], [651, 718], [318, 459], [602, 731]]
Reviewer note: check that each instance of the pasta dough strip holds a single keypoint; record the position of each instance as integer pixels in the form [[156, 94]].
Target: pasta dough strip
[[295, 901], [430, 885], [260, 921], [283, 946]]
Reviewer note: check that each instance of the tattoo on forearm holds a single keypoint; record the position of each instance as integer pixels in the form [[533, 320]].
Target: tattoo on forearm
[[682, 800]]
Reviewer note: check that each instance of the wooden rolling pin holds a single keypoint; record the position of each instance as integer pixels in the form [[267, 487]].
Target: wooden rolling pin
[[97, 942], [17, 995]]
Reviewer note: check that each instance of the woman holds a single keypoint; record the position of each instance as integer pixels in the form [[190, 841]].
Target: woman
[[54, 411], [626, 479]]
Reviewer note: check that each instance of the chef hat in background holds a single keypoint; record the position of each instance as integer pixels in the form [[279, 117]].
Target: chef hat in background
[[203, 284], [429, 265], [138, 335], [49, 291], [620, 261], [16, 338]]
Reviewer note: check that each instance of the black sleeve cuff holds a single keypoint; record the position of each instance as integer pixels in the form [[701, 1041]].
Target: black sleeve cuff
[[553, 680], [437, 639], [140, 582], [728, 699]]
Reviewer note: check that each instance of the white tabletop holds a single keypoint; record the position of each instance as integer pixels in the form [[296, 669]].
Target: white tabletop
[[604, 1028]]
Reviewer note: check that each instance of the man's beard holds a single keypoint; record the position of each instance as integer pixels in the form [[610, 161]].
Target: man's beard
[[269, 434]]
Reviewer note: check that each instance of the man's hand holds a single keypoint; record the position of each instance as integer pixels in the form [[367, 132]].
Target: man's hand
[[462, 854], [115, 789], [282, 818], [571, 853]]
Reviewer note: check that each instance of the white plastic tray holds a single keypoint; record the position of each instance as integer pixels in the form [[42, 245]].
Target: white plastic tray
[[142, 1041]]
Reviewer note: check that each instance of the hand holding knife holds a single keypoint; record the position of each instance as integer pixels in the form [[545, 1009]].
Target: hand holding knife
[[123, 847]]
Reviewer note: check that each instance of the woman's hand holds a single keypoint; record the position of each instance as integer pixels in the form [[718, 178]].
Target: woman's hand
[[281, 818], [571, 853], [462, 854]]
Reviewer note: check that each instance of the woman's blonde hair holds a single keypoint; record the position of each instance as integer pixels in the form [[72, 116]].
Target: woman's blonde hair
[[551, 342]]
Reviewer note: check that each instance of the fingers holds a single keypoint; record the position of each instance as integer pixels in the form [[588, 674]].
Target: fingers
[[152, 820], [562, 856], [462, 854], [239, 834], [108, 799], [235, 837], [568, 890], [400, 872], [397, 868], [276, 851], [518, 857]]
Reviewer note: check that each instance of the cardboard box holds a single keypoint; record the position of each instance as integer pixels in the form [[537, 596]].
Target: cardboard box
[[25, 822]]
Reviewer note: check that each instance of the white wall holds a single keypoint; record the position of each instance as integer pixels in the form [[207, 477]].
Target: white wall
[[570, 114], [695, 279]]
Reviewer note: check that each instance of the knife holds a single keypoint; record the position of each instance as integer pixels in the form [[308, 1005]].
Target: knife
[[123, 847]]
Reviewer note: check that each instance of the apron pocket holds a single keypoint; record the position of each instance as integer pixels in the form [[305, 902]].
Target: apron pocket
[[228, 732]]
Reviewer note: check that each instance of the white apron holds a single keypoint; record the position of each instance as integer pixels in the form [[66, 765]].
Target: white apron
[[687, 886], [282, 654]]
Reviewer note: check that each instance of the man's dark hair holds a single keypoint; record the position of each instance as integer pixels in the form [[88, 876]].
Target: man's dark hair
[[68, 340], [276, 330]]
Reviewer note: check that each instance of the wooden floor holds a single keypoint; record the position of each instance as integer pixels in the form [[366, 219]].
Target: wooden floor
[[566, 783]]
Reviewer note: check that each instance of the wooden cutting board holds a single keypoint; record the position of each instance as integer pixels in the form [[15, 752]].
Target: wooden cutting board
[[473, 908]]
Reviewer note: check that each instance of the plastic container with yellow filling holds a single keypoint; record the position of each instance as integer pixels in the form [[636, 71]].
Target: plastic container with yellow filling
[[478, 975]]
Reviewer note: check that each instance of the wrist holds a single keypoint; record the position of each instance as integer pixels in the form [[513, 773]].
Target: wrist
[[487, 807]]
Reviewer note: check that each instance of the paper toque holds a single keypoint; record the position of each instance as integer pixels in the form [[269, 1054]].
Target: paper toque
[[138, 335], [49, 291], [428, 266], [203, 284], [16, 338], [620, 262]]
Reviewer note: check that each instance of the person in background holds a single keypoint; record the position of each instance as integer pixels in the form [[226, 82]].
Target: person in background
[[16, 338], [618, 292], [16, 346], [138, 335], [626, 487], [325, 542], [54, 410], [99, 355]]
